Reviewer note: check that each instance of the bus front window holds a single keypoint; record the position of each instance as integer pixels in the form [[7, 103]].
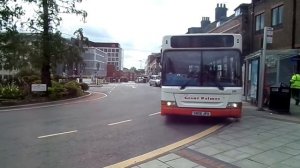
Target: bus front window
[[201, 68], [181, 68]]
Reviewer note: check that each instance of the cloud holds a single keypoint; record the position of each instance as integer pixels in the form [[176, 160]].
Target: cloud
[[97, 34], [139, 26]]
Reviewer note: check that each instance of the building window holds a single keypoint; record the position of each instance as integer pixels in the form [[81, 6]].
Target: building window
[[259, 22], [277, 15], [105, 50], [238, 12], [117, 50]]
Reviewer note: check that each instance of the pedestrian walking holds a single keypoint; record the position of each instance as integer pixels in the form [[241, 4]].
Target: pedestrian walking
[[295, 87]]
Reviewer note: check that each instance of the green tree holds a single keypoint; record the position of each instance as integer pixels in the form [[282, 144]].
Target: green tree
[[46, 24], [9, 15], [133, 69], [81, 39]]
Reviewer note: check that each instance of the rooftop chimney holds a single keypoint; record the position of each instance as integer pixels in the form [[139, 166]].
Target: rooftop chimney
[[205, 22], [221, 12]]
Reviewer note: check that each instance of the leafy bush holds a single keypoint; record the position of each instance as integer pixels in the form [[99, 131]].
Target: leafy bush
[[57, 91], [84, 86], [73, 89], [10, 92], [37, 81], [27, 76]]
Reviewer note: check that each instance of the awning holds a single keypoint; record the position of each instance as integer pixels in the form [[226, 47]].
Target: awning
[[294, 54]]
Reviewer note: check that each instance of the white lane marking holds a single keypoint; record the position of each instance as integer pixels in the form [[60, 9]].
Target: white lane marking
[[154, 114], [119, 122], [58, 104], [133, 87], [61, 133]]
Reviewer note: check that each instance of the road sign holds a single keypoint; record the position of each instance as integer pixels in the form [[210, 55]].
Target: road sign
[[269, 34], [38, 87]]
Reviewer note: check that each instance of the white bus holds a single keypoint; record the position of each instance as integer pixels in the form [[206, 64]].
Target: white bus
[[202, 75]]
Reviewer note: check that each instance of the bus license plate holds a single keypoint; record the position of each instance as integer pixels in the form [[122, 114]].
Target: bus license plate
[[198, 113]]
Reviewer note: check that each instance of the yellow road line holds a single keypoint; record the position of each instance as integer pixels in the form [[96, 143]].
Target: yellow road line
[[165, 149]]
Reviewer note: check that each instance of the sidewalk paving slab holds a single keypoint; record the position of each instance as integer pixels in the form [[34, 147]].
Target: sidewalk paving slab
[[260, 139]]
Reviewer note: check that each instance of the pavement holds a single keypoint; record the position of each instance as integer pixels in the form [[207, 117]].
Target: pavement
[[260, 139]]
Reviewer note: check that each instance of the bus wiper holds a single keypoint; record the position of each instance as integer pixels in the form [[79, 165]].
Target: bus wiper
[[219, 86], [185, 84]]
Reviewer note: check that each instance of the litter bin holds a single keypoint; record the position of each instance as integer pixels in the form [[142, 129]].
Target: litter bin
[[280, 96]]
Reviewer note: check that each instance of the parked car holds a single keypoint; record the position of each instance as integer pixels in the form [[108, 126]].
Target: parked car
[[141, 79], [154, 80]]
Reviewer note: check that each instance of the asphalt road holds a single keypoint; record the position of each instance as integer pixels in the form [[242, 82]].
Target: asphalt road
[[118, 122]]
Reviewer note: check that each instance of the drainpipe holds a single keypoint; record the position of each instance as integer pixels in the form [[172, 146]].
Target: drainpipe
[[294, 31], [294, 24], [252, 28]]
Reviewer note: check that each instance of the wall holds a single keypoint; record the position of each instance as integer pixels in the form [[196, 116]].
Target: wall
[[282, 37]]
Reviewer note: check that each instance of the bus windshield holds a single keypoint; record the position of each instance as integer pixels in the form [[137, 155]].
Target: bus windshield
[[219, 68]]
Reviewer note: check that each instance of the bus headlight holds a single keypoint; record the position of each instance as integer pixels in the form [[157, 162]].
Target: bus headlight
[[168, 103], [234, 105]]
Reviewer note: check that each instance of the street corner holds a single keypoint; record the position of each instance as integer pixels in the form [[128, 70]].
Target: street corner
[[164, 152]]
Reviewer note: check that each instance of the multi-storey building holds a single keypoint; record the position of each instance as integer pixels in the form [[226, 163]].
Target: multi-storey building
[[282, 55], [235, 23], [95, 63], [114, 53], [152, 64]]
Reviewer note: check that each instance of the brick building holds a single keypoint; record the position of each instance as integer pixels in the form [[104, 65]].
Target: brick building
[[282, 56], [152, 64], [249, 20]]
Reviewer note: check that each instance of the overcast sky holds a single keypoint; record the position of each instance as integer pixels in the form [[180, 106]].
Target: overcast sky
[[139, 25]]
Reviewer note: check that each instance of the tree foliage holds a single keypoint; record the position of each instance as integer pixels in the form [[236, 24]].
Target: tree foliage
[[9, 15], [46, 48], [46, 23]]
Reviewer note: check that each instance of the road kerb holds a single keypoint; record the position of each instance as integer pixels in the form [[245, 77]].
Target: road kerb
[[161, 151], [45, 103], [50, 105]]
